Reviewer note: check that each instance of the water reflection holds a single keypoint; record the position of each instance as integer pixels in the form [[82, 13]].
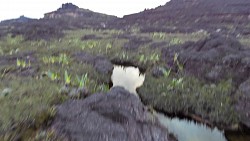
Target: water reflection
[[128, 77], [186, 130]]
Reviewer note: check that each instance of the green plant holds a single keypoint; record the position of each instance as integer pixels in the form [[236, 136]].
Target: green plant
[[124, 55], [154, 57], [49, 60], [108, 46], [83, 81], [53, 76], [67, 77], [22, 63], [166, 73], [103, 88], [14, 40], [143, 59], [63, 59], [13, 51], [175, 41], [159, 35], [175, 82], [180, 66]]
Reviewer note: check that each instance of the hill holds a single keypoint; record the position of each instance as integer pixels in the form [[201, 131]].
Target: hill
[[67, 17], [193, 15], [75, 17]]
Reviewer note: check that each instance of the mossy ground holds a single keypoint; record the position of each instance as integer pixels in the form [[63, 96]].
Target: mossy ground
[[29, 95], [213, 103]]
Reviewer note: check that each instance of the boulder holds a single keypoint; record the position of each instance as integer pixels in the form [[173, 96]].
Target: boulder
[[115, 116], [100, 63], [209, 58], [243, 104]]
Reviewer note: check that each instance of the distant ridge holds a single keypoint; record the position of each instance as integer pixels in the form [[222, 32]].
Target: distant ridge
[[189, 15], [52, 25], [21, 19], [79, 17]]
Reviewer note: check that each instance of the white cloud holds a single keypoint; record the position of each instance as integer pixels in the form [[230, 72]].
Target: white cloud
[[36, 8]]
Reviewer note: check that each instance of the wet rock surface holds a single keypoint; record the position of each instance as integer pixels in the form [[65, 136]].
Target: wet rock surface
[[115, 116]]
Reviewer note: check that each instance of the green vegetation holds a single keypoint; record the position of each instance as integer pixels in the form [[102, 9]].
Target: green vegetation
[[33, 74], [83, 81], [62, 59], [190, 96], [28, 104], [159, 35], [153, 58], [22, 63], [175, 41]]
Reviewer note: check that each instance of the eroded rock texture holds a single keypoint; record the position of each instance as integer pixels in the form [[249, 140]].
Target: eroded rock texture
[[115, 116]]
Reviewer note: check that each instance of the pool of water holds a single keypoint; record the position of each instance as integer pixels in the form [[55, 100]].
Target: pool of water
[[185, 130], [128, 77]]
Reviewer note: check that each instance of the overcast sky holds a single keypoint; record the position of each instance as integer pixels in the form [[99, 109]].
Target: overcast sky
[[36, 8]]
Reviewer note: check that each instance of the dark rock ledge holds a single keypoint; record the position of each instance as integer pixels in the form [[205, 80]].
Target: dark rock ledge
[[115, 116]]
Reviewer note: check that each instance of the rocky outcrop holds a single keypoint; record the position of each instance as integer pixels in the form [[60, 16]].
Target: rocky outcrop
[[72, 11], [213, 59], [243, 104], [193, 15], [100, 63], [68, 6], [115, 116]]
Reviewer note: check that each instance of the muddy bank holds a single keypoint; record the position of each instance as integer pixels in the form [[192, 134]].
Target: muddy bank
[[117, 115]]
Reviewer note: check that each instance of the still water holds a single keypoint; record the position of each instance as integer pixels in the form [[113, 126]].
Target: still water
[[130, 78], [186, 130]]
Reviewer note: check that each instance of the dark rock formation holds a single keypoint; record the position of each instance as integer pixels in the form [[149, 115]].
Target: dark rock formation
[[68, 6], [214, 59], [115, 116], [70, 14], [67, 17], [243, 104], [192, 15], [21, 19], [136, 42], [90, 37], [100, 63]]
